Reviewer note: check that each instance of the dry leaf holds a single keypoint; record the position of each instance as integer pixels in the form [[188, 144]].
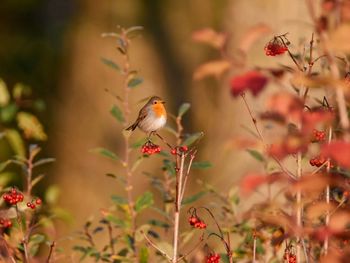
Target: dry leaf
[[213, 68], [210, 37]]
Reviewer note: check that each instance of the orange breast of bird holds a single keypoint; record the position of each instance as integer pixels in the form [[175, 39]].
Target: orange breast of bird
[[159, 110]]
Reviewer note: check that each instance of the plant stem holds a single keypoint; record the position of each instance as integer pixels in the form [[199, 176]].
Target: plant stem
[[254, 247], [326, 241], [178, 200], [339, 93], [50, 252], [299, 209], [126, 108]]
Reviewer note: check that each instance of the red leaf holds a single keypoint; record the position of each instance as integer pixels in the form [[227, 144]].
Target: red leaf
[[311, 119], [252, 181], [339, 151], [251, 80], [287, 105]]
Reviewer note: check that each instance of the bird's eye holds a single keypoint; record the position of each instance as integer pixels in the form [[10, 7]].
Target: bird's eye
[[154, 102]]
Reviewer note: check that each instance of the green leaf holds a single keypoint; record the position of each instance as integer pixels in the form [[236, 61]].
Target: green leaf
[[37, 239], [31, 126], [143, 255], [43, 161], [136, 164], [201, 165], [4, 94], [155, 222], [16, 142], [192, 138], [256, 155], [134, 82], [183, 109], [193, 198], [52, 194], [117, 113], [37, 179], [115, 220], [8, 112], [119, 200], [111, 64], [132, 29], [105, 153], [20, 90], [144, 201]]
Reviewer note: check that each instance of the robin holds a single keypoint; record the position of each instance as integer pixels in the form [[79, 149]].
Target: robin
[[151, 117]]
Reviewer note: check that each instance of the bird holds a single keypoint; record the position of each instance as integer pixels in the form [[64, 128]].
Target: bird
[[152, 116]]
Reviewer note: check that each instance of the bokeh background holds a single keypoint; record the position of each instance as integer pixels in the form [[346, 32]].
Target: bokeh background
[[55, 46]]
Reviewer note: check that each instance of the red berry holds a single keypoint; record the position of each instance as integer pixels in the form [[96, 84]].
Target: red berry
[[275, 47], [29, 204], [184, 148], [32, 206], [173, 151], [38, 201], [193, 220]]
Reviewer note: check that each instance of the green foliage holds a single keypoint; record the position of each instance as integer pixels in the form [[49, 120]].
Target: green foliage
[[105, 153]]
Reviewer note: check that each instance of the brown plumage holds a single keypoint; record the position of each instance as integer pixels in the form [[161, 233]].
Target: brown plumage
[[151, 117]]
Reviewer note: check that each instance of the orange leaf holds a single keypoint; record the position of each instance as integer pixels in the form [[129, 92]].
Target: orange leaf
[[213, 68], [339, 151], [210, 37]]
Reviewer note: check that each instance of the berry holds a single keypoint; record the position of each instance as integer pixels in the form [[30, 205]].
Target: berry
[[184, 148], [29, 204], [150, 148], [193, 220], [13, 197], [318, 136], [319, 161], [173, 151], [32, 206], [275, 47], [196, 222], [6, 223], [38, 201], [212, 258]]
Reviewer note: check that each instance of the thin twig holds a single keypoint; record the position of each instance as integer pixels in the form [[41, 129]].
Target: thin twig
[[150, 242], [285, 170], [50, 252], [193, 249], [193, 155]]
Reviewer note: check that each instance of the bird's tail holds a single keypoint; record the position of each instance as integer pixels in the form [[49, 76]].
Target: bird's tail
[[132, 127]]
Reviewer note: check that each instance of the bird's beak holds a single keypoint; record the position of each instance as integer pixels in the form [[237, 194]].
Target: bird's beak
[[163, 102]]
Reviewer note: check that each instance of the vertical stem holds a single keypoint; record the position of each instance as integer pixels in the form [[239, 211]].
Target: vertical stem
[[126, 109], [254, 247], [178, 199], [326, 241], [299, 209]]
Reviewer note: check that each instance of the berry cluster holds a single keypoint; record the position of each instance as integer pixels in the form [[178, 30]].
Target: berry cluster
[[212, 258], [292, 258], [5, 223], [150, 148], [196, 222], [318, 136], [33, 204], [177, 150], [13, 197], [319, 161], [275, 47]]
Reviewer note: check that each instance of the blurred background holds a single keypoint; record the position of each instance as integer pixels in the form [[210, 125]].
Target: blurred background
[[55, 46]]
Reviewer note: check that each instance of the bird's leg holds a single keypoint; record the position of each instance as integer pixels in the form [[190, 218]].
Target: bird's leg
[[149, 135]]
